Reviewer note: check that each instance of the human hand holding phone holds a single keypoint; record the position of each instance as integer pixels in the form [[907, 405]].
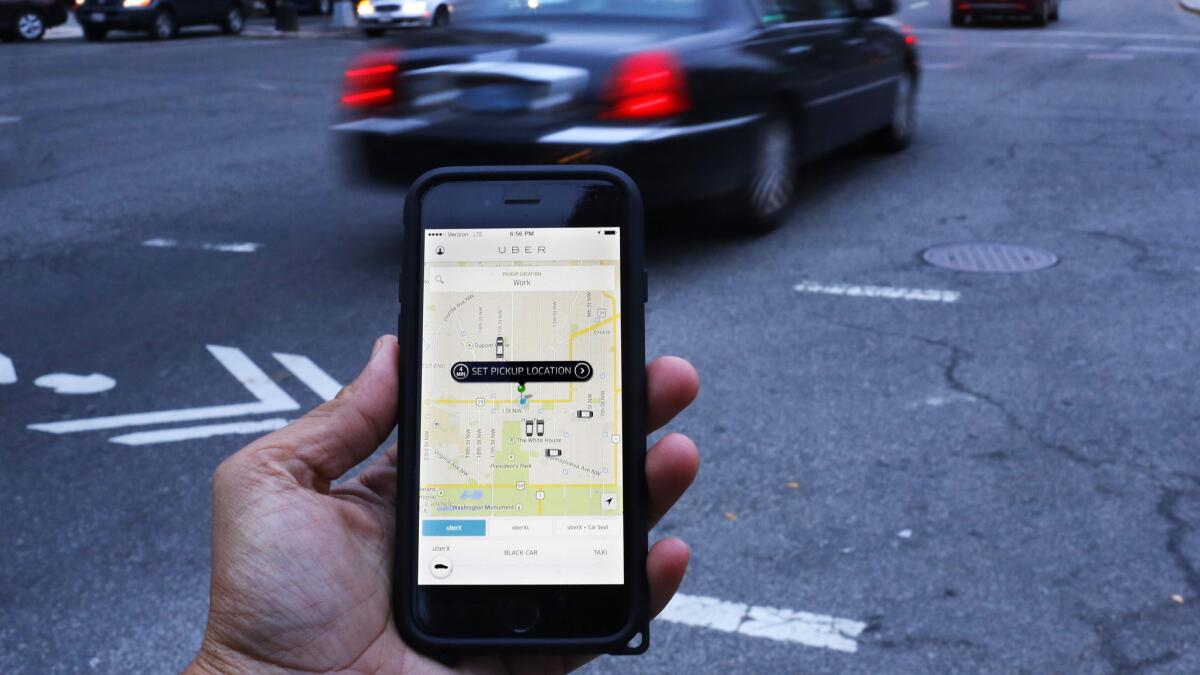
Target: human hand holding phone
[[301, 569]]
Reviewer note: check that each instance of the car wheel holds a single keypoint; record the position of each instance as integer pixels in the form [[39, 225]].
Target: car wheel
[[164, 25], [270, 6], [94, 33], [1054, 12], [898, 134], [441, 18], [29, 26], [234, 21], [765, 198], [373, 32], [958, 18], [1041, 15]]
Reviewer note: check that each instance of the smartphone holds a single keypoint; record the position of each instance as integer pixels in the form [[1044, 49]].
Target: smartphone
[[521, 498]]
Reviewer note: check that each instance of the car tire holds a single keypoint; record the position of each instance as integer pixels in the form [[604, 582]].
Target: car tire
[[441, 17], [164, 26], [898, 134], [94, 33], [270, 7], [29, 26], [234, 21], [1041, 15], [373, 32], [958, 19], [1054, 11], [765, 200]]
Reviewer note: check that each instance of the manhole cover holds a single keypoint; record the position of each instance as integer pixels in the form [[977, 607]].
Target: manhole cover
[[989, 257]]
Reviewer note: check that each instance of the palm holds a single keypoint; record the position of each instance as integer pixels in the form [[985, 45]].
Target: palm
[[301, 571]]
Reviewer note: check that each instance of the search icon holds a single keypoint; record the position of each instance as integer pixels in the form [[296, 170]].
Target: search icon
[[438, 278]]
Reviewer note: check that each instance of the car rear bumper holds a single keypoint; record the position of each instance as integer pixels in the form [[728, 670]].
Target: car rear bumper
[[996, 7], [397, 20], [670, 164], [115, 18]]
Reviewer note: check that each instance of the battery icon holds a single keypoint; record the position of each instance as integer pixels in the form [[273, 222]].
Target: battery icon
[[610, 232]]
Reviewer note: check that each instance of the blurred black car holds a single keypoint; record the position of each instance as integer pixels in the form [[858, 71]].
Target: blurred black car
[[692, 98], [160, 19], [27, 20], [1041, 12]]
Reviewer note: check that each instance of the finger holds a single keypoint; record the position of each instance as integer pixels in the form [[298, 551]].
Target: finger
[[335, 436], [665, 567], [671, 384], [671, 466]]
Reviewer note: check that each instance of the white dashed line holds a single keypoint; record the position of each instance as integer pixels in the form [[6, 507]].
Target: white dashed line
[[310, 374], [68, 383], [271, 399], [238, 247], [942, 66], [1112, 56], [785, 625], [1152, 49], [204, 431], [885, 292], [919, 5], [8, 372], [9, 119]]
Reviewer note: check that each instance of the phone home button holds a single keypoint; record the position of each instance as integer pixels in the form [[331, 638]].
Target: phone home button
[[520, 615]]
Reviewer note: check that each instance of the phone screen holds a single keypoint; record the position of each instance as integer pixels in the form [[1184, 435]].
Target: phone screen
[[520, 444]]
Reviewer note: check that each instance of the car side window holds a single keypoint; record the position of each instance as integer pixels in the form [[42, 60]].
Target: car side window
[[833, 9], [800, 10]]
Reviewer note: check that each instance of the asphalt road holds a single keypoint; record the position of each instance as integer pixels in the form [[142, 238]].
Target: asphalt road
[[1006, 483]]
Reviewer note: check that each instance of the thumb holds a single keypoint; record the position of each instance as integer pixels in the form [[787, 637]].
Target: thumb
[[332, 438]]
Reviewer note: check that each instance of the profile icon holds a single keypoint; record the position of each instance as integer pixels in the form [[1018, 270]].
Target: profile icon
[[440, 250]]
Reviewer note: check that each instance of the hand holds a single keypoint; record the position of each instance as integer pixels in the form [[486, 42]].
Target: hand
[[301, 570]]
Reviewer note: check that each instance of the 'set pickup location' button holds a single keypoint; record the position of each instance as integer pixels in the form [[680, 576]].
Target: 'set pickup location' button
[[454, 528], [521, 371]]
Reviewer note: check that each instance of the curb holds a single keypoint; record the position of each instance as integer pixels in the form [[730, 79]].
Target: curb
[[272, 34], [1190, 5]]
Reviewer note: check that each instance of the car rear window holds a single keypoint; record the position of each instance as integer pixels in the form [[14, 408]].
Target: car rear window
[[651, 9]]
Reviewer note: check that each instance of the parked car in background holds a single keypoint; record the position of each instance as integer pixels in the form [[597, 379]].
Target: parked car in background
[[160, 19], [694, 99], [1041, 12], [28, 20], [377, 16]]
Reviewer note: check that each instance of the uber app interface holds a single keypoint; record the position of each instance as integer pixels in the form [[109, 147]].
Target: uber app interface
[[520, 445]]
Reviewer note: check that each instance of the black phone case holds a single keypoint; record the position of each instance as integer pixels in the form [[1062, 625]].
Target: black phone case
[[633, 282]]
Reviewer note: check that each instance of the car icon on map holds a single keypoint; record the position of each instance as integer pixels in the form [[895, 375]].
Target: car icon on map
[[500, 347], [583, 414]]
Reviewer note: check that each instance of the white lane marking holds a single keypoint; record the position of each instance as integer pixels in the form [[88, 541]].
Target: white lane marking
[[1154, 49], [237, 247], [1017, 45], [203, 431], [785, 625], [8, 372], [68, 383], [1087, 34], [1110, 56], [904, 534], [943, 66], [271, 398], [885, 292], [9, 119], [919, 5], [310, 374]]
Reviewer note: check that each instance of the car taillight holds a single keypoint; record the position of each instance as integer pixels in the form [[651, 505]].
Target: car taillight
[[647, 85], [371, 81], [910, 38]]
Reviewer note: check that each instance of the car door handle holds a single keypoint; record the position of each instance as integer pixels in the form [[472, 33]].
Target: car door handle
[[799, 49], [851, 42]]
